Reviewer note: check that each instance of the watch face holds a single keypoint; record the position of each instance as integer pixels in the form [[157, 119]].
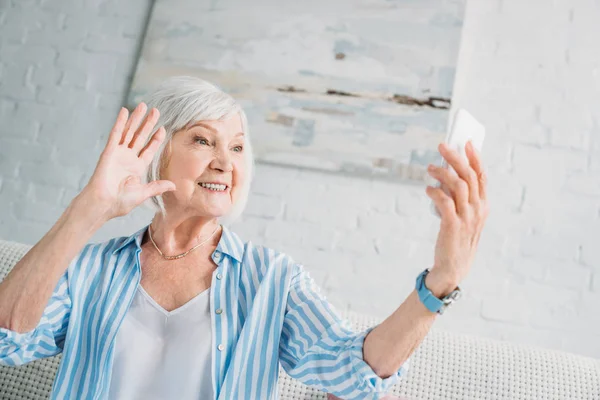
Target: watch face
[[455, 295], [448, 300]]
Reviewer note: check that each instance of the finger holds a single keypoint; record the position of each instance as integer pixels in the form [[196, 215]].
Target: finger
[[133, 123], [141, 135], [482, 185], [477, 165], [458, 187], [149, 150], [442, 201], [156, 188], [117, 129], [463, 169]]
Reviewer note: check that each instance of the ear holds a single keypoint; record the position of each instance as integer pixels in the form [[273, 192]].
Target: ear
[[165, 159]]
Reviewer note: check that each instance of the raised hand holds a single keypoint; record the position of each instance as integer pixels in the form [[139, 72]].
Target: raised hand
[[463, 215], [116, 185]]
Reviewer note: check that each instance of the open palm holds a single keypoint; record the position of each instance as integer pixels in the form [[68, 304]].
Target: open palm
[[117, 180]]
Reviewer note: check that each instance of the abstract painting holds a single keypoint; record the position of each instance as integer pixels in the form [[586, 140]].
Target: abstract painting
[[356, 87]]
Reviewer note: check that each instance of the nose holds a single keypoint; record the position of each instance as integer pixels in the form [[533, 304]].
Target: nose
[[222, 160]]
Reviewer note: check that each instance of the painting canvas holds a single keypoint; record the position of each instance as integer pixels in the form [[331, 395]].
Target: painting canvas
[[358, 87]]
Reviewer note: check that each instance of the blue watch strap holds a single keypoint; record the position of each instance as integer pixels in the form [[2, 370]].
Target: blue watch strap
[[428, 299]]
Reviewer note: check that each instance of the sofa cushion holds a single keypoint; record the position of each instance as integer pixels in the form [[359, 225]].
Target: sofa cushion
[[389, 397]]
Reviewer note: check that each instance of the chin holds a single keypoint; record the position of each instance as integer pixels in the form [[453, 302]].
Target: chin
[[215, 212]]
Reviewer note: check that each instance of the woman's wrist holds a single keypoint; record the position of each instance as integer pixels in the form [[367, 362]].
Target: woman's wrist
[[440, 283], [85, 207]]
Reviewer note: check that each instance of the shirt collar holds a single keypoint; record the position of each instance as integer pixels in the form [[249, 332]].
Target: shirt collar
[[137, 237], [230, 243]]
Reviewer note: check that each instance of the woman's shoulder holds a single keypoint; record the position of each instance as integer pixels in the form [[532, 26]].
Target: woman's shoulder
[[267, 257], [267, 253], [95, 258], [102, 250]]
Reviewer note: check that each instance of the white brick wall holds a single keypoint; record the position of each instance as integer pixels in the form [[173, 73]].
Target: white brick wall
[[529, 70]]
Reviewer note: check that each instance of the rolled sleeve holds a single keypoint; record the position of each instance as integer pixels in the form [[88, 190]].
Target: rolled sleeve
[[13, 338], [320, 349], [365, 373], [47, 338]]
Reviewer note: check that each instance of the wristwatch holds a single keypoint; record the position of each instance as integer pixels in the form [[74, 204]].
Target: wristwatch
[[428, 299]]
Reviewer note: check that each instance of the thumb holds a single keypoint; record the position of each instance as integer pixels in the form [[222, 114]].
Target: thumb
[[156, 188]]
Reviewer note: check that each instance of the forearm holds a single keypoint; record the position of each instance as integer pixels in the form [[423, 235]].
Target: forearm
[[463, 211], [28, 287], [392, 342]]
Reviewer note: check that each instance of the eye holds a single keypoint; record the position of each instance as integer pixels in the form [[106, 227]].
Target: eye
[[238, 149], [201, 141]]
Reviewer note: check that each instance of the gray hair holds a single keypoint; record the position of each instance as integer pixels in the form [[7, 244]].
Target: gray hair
[[182, 100]]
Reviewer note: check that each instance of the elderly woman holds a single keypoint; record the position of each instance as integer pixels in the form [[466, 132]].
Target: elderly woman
[[184, 309]]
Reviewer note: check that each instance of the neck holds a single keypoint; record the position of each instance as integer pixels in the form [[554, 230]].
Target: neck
[[174, 236]]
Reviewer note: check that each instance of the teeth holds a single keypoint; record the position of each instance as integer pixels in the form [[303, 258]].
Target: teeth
[[213, 186]]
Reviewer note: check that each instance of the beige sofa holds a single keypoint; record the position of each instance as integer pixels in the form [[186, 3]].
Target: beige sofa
[[446, 366]]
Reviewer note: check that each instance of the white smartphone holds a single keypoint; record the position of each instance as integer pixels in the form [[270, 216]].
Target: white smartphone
[[464, 128]]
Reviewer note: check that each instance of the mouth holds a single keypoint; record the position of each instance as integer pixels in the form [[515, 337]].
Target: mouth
[[213, 186]]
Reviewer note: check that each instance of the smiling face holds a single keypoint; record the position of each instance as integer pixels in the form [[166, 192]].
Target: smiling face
[[206, 163]]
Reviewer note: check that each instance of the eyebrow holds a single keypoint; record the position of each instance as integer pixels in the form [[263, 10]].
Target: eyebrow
[[210, 128], [206, 126]]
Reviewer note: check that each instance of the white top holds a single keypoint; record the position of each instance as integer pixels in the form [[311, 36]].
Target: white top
[[161, 354]]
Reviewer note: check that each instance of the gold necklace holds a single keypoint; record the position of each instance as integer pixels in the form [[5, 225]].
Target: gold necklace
[[182, 254]]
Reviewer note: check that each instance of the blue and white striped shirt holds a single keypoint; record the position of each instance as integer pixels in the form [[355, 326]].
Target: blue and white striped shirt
[[273, 313]]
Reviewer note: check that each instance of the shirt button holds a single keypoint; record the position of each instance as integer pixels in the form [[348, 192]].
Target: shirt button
[[219, 310], [221, 347], [216, 256], [219, 276]]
